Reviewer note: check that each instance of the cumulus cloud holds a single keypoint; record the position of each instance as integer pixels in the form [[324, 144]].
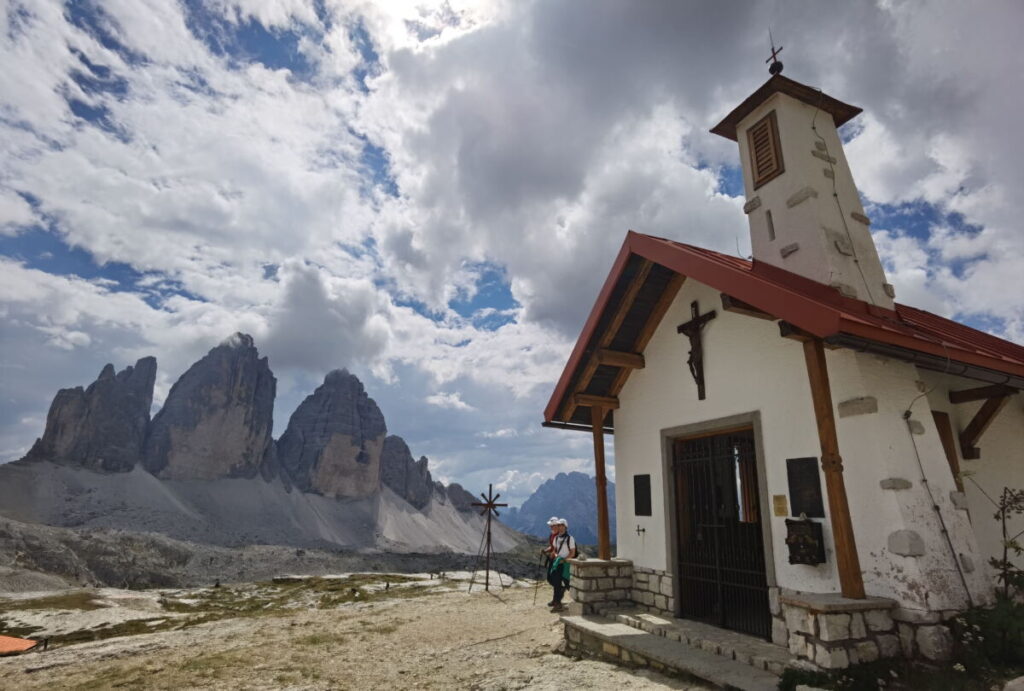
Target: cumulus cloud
[[332, 187], [448, 400]]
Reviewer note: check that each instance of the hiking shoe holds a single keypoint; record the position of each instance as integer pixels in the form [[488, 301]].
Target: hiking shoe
[[552, 603], [558, 607]]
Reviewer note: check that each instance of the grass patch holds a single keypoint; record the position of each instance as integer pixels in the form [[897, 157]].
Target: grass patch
[[8, 629], [215, 604], [76, 600]]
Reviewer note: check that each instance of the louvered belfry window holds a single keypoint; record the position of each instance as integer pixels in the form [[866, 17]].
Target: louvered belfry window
[[765, 152]]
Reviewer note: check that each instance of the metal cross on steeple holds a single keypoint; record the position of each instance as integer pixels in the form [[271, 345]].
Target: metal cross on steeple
[[776, 64]]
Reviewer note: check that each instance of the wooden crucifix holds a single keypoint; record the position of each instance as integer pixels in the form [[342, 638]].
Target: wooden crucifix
[[692, 330], [490, 507]]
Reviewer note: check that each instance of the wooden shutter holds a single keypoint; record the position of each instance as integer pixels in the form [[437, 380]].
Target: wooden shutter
[[765, 152]]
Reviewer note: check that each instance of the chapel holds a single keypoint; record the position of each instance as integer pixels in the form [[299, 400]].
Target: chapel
[[800, 460]]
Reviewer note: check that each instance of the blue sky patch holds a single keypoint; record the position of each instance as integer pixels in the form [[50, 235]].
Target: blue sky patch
[[370, 66], [45, 250], [489, 307], [249, 41]]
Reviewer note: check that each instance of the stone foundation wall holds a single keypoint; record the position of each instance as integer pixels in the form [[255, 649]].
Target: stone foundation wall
[[598, 585], [833, 632], [652, 590]]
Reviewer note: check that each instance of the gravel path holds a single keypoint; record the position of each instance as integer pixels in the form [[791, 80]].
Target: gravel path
[[447, 639]]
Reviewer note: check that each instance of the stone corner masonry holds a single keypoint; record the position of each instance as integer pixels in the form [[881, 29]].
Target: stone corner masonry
[[599, 585]]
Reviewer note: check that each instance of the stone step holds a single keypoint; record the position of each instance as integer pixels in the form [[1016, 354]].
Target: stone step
[[623, 643], [710, 639]]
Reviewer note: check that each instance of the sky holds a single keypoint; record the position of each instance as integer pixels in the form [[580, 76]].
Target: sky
[[430, 194]]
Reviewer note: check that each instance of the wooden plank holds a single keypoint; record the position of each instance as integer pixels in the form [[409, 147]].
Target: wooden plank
[[731, 304], [625, 304], [619, 358], [977, 426], [851, 580], [948, 445], [604, 550], [981, 393], [606, 402], [647, 332]]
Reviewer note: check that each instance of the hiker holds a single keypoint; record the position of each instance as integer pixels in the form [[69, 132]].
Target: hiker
[[562, 548]]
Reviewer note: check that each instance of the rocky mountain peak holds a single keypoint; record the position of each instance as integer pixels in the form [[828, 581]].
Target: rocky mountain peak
[[217, 420], [102, 427], [334, 440], [238, 340], [408, 478]]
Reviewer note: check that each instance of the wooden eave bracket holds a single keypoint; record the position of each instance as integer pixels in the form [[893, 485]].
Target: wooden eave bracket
[[981, 393], [592, 401], [977, 426], [569, 407], [731, 304], [619, 358]]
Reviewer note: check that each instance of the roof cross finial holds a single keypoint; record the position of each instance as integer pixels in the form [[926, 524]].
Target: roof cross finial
[[776, 64]]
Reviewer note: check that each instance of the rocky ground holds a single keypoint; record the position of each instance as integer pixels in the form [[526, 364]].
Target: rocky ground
[[39, 557], [353, 631]]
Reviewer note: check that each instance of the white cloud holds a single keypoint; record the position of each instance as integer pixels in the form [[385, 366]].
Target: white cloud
[[448, 400], [529, 135]]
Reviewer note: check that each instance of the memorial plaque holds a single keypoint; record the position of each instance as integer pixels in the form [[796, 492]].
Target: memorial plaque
[[642, 495], [780, 505], [805, 487], [805, 541]]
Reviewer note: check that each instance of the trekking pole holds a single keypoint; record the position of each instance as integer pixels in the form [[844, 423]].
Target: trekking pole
[[536, 586]]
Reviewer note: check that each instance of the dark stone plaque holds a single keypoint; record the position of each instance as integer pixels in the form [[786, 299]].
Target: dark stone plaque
[[805, 488], [642, 495], [806, 544]]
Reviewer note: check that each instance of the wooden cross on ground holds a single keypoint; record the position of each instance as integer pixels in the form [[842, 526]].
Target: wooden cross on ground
[[489, 508], [692, 330]]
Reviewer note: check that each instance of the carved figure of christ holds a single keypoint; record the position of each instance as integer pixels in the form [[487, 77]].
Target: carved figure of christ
[[691, 330]]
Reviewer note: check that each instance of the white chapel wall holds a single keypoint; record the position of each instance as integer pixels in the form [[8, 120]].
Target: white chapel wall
[[749, 367], [1001, 463]]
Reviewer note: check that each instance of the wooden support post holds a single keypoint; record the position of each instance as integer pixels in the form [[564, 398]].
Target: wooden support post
[[850, 578], [604, 549], [977, 426]]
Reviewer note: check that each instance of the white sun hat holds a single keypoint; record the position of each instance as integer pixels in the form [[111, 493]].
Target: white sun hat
[[554, 520], [562, 521]]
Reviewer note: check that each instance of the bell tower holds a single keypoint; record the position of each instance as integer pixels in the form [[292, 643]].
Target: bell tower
[[802, 205]]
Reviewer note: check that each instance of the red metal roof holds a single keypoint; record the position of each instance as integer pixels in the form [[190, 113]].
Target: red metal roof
[[811, 306]]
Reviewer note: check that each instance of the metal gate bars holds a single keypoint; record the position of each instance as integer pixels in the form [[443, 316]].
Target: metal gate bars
[[721, 547]]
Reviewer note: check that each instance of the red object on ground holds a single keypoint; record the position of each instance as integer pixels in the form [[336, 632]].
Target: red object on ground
[[13, 646]]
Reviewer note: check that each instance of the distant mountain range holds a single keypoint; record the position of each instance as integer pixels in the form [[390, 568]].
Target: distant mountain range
[[207, 468], [572, 496]]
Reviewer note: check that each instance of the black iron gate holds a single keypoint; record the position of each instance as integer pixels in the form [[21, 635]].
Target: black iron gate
[[721, 547]]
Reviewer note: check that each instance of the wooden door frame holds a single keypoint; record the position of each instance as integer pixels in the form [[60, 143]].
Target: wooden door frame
[[707, 428]]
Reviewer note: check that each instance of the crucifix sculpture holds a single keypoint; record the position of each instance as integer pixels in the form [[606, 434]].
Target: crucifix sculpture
[[692, 331], [490, 507]]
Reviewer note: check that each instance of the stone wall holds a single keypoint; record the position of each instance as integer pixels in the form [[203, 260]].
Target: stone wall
[[833, 632], [598, 585], [652, 590]]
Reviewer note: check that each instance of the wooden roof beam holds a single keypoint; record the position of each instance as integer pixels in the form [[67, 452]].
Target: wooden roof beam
[[625, 304], [644, 337], [731, 304], [592, 401], [619, 358], [977, 426], [981, 393]]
